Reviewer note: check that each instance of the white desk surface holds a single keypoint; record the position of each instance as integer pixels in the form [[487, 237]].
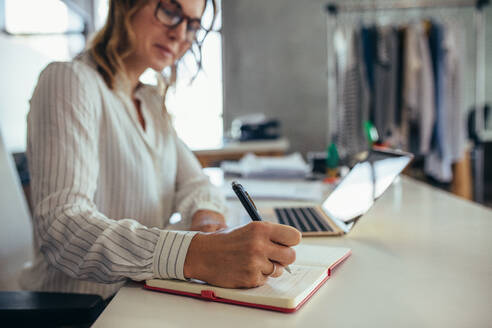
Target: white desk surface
[[421, 258]]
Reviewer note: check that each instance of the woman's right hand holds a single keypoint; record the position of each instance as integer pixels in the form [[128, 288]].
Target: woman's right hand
[[242, 257]]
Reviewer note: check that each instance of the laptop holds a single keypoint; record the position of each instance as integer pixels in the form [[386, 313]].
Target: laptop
[[351, 198]]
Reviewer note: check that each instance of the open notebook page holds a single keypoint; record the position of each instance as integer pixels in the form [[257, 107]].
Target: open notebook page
[[285, 291], [323, 256]]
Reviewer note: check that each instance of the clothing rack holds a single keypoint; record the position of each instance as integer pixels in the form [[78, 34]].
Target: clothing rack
[[335, 9]]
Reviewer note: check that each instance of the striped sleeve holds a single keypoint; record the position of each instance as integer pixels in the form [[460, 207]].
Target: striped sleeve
[[171, 250], [73, 235]]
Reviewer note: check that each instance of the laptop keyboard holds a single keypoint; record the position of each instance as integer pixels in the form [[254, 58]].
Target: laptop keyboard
[[304, 219]]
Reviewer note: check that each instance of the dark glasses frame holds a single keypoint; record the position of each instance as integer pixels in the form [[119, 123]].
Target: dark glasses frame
[[181, 17]]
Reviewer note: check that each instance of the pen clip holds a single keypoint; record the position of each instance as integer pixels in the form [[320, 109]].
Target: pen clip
[[250, 199]]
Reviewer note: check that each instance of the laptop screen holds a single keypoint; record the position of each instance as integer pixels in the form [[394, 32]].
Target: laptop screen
[[364, 183]]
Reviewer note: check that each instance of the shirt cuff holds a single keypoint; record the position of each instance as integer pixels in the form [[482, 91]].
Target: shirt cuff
[[170, 253]]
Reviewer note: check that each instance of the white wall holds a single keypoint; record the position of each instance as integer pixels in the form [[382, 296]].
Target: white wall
[[275, 62], [20, 66]]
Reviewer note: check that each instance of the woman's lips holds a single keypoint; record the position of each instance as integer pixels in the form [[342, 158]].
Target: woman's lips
[[164, 51]]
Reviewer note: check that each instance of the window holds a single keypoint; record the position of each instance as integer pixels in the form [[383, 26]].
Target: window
[[48, 26], [197, 107], [34, 33]]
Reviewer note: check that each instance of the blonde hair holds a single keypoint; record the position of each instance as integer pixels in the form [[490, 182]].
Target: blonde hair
[[115, 41]]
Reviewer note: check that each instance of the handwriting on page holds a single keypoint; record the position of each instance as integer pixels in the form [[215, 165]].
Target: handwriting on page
[[288, 285]]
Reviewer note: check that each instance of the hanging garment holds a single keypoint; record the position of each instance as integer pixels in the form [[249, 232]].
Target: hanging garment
[[418, 103], [449, 132], [386, 76], [340, 45], [455, 43], [437, 50], [369, 37], [353, 104], [401, 35]]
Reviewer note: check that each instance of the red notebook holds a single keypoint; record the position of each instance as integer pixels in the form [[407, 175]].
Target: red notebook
[[313, 266]]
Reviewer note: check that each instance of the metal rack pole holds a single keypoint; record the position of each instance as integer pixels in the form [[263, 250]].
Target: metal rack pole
[[335, 8]]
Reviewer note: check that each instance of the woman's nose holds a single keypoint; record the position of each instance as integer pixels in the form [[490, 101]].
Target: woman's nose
[[179, 32]]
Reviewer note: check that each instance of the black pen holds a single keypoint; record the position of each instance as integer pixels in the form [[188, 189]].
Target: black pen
[[249, 205]]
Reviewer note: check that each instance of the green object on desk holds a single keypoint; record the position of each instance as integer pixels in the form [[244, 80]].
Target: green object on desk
[[332, 157], [371, 133], [332, 160]]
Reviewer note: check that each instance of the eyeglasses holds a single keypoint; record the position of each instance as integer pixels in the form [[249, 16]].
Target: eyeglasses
[[170, 14]]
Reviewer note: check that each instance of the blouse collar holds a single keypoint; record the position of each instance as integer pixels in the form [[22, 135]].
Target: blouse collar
[[121, 83]]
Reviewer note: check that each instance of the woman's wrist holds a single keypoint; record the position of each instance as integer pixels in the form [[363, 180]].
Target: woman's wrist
[[191, 268]]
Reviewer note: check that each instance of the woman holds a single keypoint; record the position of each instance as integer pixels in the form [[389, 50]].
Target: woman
[[107, 170]]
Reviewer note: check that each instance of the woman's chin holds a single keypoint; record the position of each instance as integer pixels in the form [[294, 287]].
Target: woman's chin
[[161, 65]]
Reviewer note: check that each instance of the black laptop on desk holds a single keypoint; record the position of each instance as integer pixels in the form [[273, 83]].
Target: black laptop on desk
[[351, 198]]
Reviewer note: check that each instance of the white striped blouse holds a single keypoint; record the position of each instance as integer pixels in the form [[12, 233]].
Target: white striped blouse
[[103, 189]]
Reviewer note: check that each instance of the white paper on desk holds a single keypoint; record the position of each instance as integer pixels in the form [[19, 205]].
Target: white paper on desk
[[251, 166], [288, 190]]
